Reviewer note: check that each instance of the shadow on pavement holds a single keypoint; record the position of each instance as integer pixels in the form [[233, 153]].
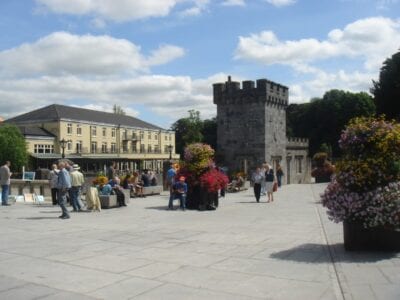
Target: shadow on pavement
[[39, 218], [319, 253]]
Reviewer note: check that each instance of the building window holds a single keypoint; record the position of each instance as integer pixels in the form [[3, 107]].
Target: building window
[[40, 148], [78, 130], [69, 128], [149, 135], [142, 148], [94, 131], [104, 148], [112, 132], [104, 131], [299, 161], [156, 136], [166, 137], [113, 148], [166, 149], [134, 147], [149, 148], [141, 135], [79, 147], [93, 147], [156, 149], [69, 145], [170, 137]]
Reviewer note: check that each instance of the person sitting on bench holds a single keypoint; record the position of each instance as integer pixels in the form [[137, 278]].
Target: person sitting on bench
[[180, 189]]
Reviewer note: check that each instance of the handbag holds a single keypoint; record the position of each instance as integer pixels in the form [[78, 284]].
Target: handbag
[[275, 187]]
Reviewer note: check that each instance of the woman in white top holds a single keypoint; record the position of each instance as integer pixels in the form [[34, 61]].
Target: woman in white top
[[269, 183]]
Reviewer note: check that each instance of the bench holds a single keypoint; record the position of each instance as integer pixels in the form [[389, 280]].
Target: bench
[[108, 201], [152, 190]]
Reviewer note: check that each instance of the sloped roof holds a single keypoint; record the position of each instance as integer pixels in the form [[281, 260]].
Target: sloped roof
[[56, 112], [35, 131]]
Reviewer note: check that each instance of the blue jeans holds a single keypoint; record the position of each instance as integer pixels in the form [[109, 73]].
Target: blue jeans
[[75, 193], [4, 194], [62, 201], [181, 197]]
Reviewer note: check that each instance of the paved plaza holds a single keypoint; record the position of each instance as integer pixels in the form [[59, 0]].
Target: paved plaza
[[287, 249]]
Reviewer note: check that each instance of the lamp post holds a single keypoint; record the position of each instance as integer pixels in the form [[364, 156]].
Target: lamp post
[[63, 144], [170, 147]]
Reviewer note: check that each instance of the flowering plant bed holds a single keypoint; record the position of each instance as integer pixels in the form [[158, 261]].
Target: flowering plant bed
[[365, 193], [204, 180]]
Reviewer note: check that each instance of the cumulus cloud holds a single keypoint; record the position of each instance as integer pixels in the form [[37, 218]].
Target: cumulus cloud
[[234, 3], [116, 10], [369, 41], [372, 39], [100, 70], [165, 95], [280, 3], [62, 53]]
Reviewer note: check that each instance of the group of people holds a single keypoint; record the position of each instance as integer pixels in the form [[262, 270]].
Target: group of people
[[266, 181], [66, 181], [135, 181]]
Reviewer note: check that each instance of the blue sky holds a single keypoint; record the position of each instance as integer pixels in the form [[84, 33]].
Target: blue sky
[[159, 58]]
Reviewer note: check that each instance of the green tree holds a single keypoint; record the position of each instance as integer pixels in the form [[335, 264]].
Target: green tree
[[323, 120], [386, 90], [13, 147], [188, 130], [118, 110]]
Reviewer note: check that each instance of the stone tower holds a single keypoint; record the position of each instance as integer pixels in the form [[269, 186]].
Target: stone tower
[[251, 123]]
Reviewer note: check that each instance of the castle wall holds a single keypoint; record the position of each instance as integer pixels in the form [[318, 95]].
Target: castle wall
[[251, 123]]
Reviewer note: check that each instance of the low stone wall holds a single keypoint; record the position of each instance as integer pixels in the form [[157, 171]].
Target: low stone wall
[[39, 187], [152, 190]]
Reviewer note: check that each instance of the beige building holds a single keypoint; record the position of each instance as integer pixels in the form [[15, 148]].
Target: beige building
[[94, 139]]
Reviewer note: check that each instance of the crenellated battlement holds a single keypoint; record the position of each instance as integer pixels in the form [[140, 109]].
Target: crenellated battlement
[[297, 143], [263, 90]]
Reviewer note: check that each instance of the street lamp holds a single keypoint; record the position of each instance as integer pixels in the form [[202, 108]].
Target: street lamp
[[170, 147], [63, 144]]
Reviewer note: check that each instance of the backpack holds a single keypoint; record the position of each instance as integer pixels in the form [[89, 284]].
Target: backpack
[[269, 176]]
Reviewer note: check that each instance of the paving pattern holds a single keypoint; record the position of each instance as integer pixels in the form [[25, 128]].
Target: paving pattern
[[244, 250]]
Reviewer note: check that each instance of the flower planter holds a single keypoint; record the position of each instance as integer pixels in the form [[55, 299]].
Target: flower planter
[[322, 179], [358, 238], [199, 198]]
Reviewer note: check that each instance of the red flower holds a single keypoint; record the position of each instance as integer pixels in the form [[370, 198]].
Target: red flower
[[213, 180]]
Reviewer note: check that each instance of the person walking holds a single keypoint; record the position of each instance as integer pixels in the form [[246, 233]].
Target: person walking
[[53, 178], [171, 174], [63, 185], [263, 170], [279, 174], [77, 180], [257, 178], [269, 183], [5, 180]]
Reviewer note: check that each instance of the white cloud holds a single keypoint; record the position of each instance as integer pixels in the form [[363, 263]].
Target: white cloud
[[62, 53], [372, 39], [280, 3], [369, 41], [167, 96], [234, 3], [197, 9], [120, 10]]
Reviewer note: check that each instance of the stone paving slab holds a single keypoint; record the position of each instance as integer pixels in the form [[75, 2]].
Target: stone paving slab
[[287, 249]]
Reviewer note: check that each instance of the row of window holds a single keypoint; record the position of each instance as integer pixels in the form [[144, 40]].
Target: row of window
[[39, 148], [125, 133]]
